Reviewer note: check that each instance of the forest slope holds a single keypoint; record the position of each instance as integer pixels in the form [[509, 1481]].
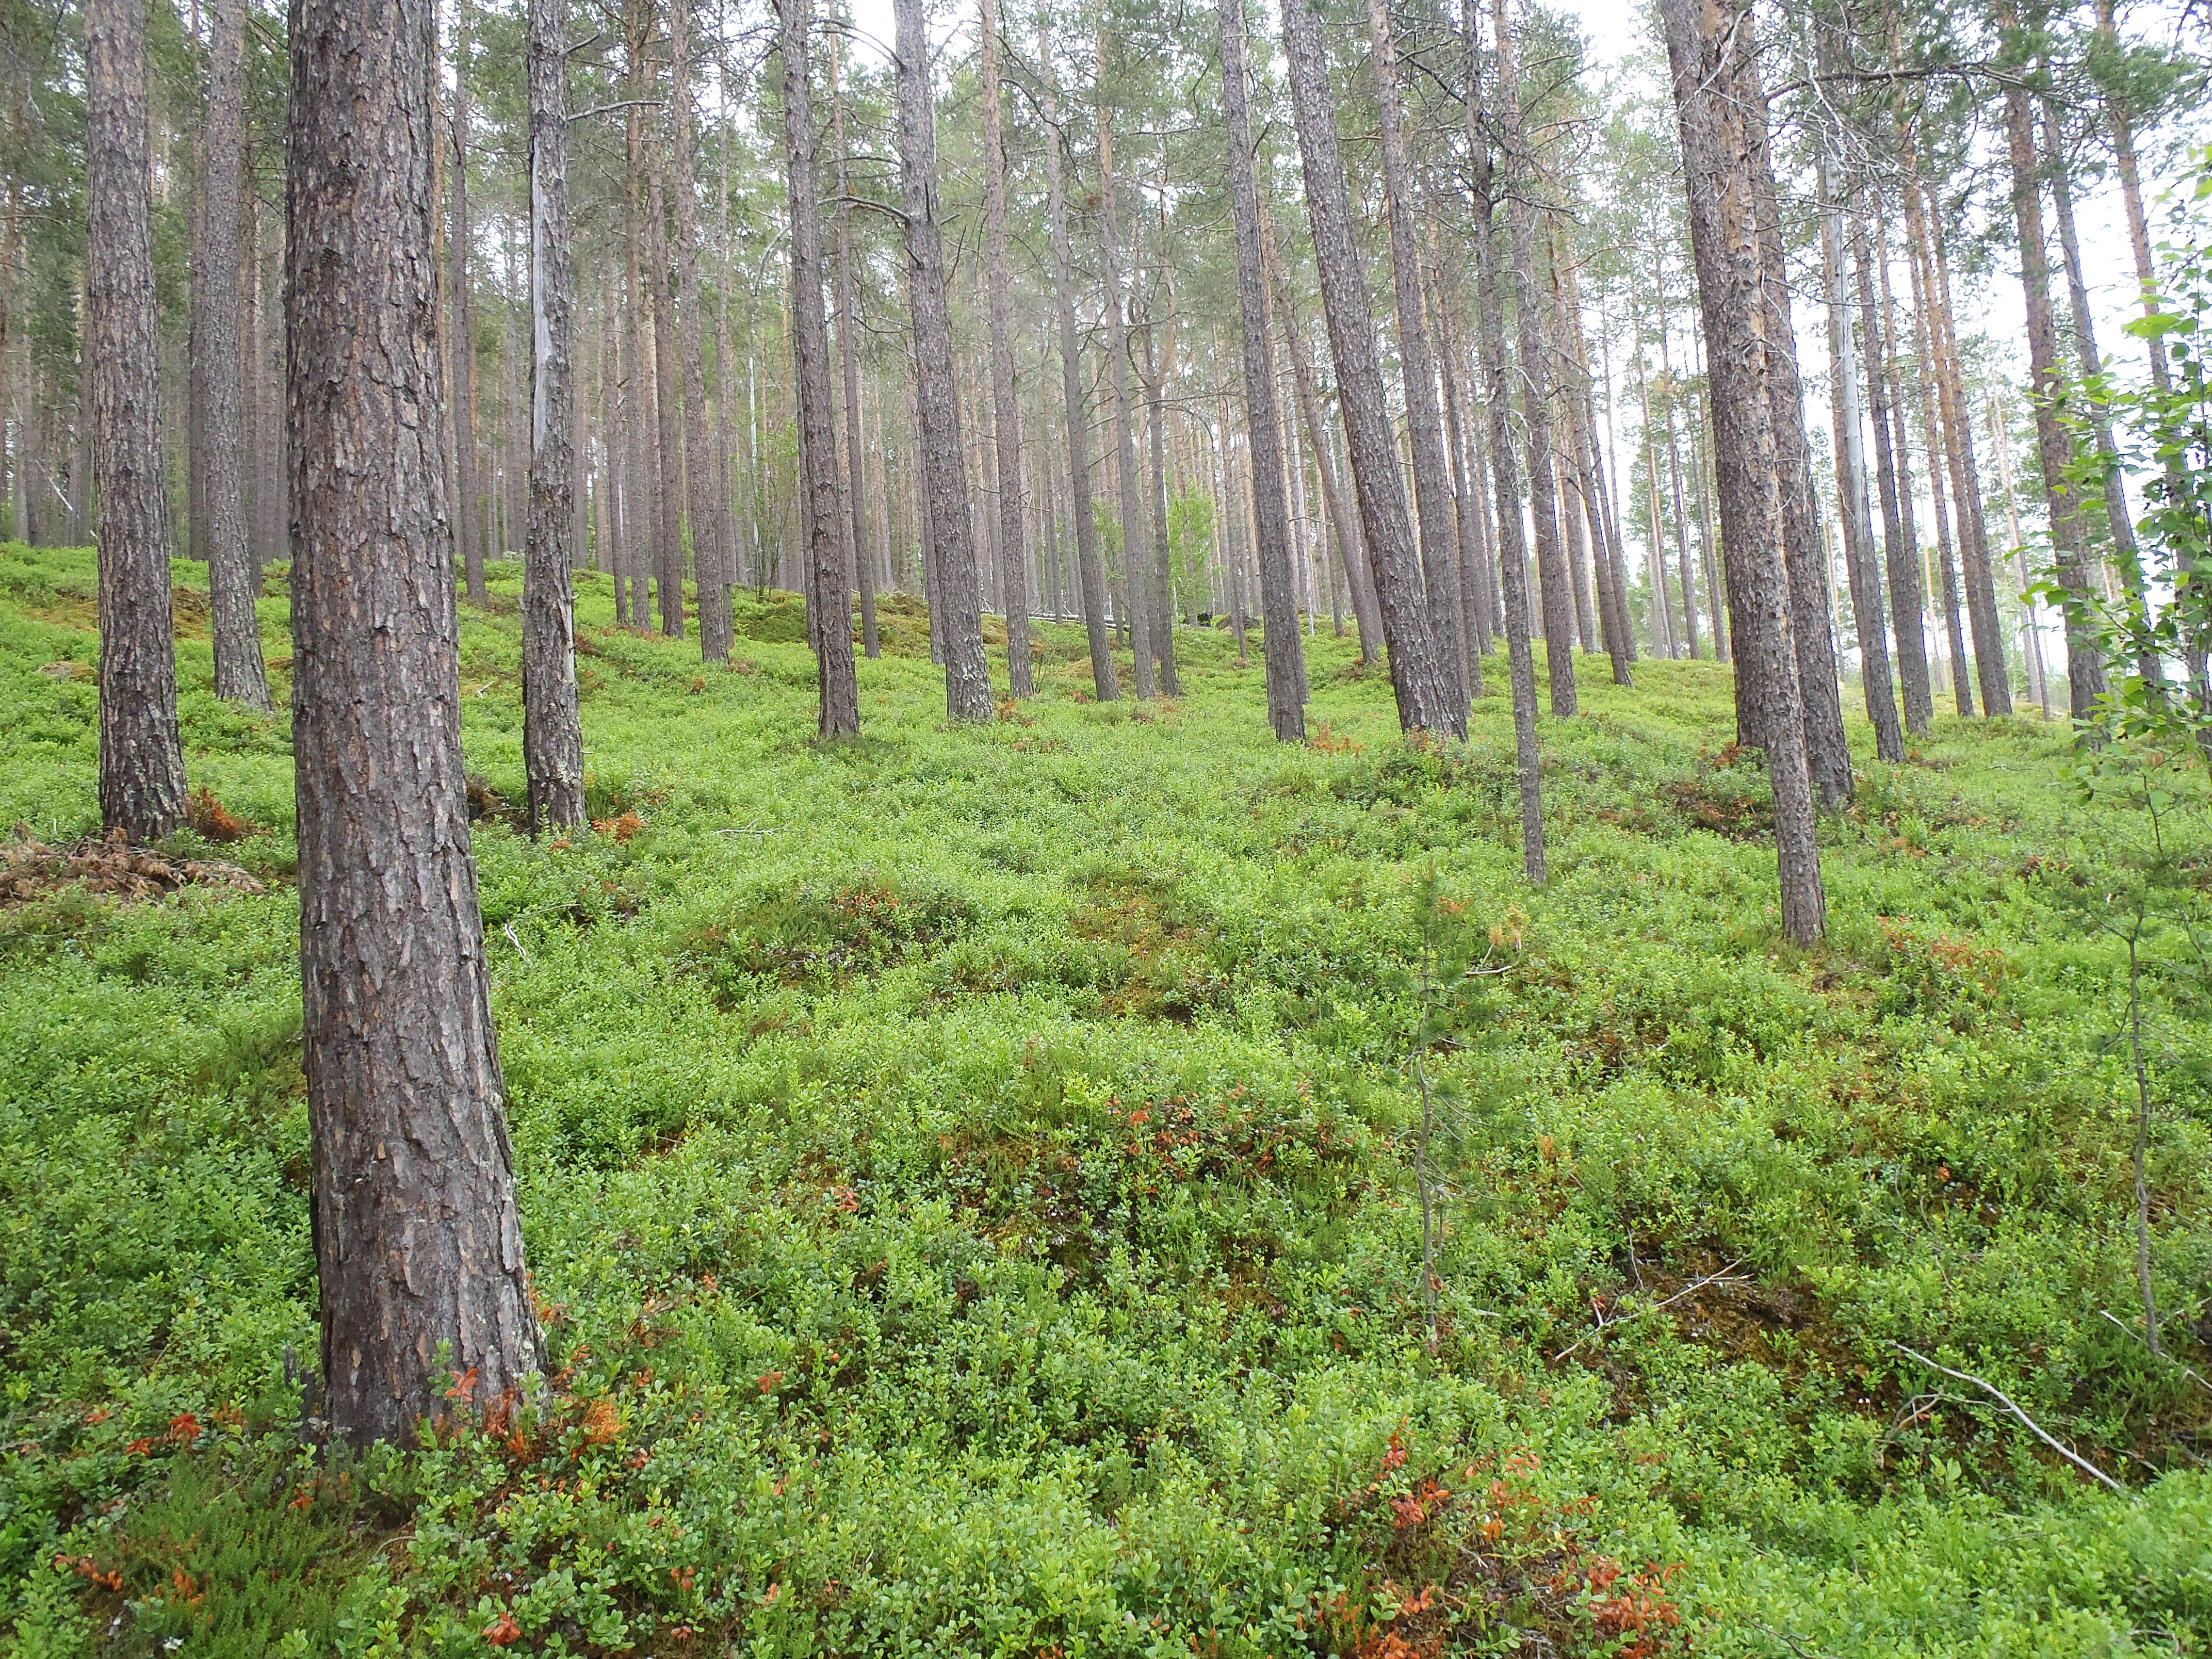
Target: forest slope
[[968, 1175]]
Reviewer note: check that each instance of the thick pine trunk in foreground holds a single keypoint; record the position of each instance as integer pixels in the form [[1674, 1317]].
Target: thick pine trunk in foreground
[[552, 732], [417, 1241], [1708, 49], [141, 760], [966, 671], [1285, 651], [234, 574], [809, 351], [1418, 673], [1091, 576]]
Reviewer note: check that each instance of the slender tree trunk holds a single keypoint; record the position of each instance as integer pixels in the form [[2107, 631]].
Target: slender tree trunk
[[641, 483], [233, 574], [1426, 697], [418, 1239], [142, 758], [1709, 50], [668, 426], [1685, 563], [717, 625], [1861, 568], [1434, 509], [1812, 627], [2031, 627], [1090, 574], [849, 352], [1962, 691], [1467, 494], [1979, 569], [1013, 554], [468, 523], [1162, 370], [2115, 490], [1903, 560], [1343, 514], [810, 341], [1535, 377], [1605, 541], [2085, 664], [1138, 610], [552, 732], [1285, 653], [967, 672], [1512, 553]]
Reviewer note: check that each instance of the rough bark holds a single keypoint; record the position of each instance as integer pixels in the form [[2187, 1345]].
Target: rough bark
[[1812, 628], [468, 520], [1466, 499], [1708, 49], [1535, 365], [233, 576], [1511, 548], [1434, 509], [1013, 554], [1425, 695], [2054, 443], [967, 672], [1285, 651], [809, 346], [418, 1240], [552, 732], [141, 760], [1091, 576]]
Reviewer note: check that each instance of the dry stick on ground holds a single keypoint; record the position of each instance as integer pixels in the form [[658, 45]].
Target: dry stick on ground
[[2006, 1401], [1724, 1276]]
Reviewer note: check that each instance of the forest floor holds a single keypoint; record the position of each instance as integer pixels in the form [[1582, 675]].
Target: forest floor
[[970, 1178]]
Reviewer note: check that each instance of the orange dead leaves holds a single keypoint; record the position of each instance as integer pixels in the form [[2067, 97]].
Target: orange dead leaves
[[501, 1633]]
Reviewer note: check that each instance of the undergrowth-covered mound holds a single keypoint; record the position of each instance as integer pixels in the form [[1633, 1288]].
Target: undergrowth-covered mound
[[970, 1182]]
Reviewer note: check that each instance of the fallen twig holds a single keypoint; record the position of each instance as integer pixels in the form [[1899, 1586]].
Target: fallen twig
[[515, 939], [2192, 1375], [2033, 1427], [1720, 1278]]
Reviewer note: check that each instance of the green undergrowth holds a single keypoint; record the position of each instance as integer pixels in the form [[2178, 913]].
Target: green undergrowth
[[969, 1179]]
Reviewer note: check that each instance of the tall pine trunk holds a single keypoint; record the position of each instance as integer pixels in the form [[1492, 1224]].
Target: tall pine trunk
[[717, 625], [1434, 508], [1425, 694], [1535, 378], [1014, 556], [2085, 662], [1723, 154], [1091, 576], [418, 1239], [234, 574], [552, 732], [809, 345], [1285, 650], [1134, 585], [967, 671], [468, 523], [1511, 545], [1861, 568], [142, 758]]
